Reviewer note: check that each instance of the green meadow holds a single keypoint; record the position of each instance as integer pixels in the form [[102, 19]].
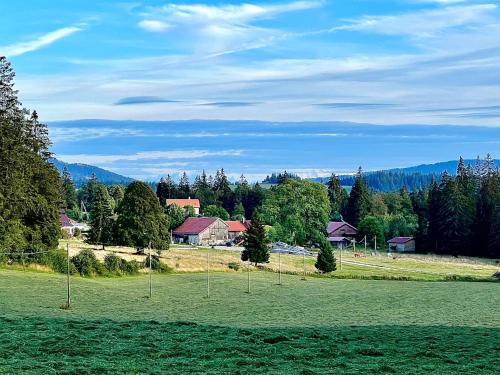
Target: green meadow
[[301, 327]]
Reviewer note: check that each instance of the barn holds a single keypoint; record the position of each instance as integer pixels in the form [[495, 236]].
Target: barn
[[202, 231], [402, 244], [341, 234], [341, 229]]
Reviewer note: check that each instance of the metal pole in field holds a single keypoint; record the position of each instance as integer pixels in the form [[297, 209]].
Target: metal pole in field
[[375, 243], [208, 275], [68, 300], [150, 268], [279, 256], [354, 245], [248, 272], [365, 244], [341, 248], [304, 265]]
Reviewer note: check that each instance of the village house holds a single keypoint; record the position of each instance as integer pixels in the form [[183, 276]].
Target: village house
[[236, 228], [195, 203], [202, 231], [69, 226], [341, 234], [402, 244]]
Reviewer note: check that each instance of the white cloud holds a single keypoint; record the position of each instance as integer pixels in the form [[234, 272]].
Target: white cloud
[[154, 25], [43, 41], [146, 155], [220, 29], [426, 23]]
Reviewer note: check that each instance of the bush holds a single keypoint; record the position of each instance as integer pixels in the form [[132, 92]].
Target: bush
[[77, 232], [157, 265], [132, 267], [112, 263], [234, 266], [87, 264]]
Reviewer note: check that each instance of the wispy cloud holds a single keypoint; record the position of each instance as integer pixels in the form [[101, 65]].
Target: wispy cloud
[[422, 24], [40, 42], [147, 155], [219, 29], [143, 100]]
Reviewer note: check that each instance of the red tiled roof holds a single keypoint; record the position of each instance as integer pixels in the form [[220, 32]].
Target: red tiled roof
[[194, 225], [400, 240], [334, 225], [236, 226], [184, 202]]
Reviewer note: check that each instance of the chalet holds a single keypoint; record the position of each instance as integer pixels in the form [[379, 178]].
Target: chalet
[[341, 234], [202, 231], [402, 244], [195, 203], [236, 228], [341, 229]]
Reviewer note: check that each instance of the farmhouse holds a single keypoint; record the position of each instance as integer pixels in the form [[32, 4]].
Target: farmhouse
[[195, 203], [340, 233], [68, 225], [202, 231], [236, 228], [402, 244]]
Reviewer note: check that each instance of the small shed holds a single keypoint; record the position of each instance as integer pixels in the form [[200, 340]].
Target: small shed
[[236, 229], [402, 244]]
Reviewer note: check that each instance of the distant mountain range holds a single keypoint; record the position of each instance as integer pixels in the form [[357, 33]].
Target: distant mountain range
[[392, 179], [81, 173]]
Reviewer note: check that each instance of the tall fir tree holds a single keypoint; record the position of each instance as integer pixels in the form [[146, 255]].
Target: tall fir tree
[[358, 205], [337, 195], [101, 219], [68, 190], [184, 187]]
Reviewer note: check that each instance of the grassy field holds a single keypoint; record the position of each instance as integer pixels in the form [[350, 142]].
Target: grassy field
[[404, 267], [301, 327]]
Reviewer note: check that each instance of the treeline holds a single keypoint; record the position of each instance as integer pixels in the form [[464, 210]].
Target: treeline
[[130, 216], [382, 181], [217, 196], [29, 184], [387, 181]]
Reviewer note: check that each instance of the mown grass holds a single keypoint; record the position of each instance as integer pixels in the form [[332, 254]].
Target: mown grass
[[301, 327], [402, 267]]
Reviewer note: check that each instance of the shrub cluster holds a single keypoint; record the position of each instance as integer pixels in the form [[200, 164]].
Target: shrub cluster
[[86, 263]]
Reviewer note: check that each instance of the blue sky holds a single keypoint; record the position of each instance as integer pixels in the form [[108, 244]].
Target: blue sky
[[390, 62]]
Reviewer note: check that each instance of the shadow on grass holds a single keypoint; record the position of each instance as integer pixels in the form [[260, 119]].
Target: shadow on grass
[[43, 345]]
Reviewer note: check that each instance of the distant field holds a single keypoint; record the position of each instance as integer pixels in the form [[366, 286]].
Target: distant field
[[405, 267], [302, 327]]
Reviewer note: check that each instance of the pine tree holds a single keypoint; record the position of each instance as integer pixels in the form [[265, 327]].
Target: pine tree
[[68, 190], [141, 219], [358, 205], [325, 261], [337, 195], [184, 187], [101, 219], [29, 185], [256, 246], [239, 212]]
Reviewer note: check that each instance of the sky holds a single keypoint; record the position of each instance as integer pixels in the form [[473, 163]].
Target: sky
[[381, 62]]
